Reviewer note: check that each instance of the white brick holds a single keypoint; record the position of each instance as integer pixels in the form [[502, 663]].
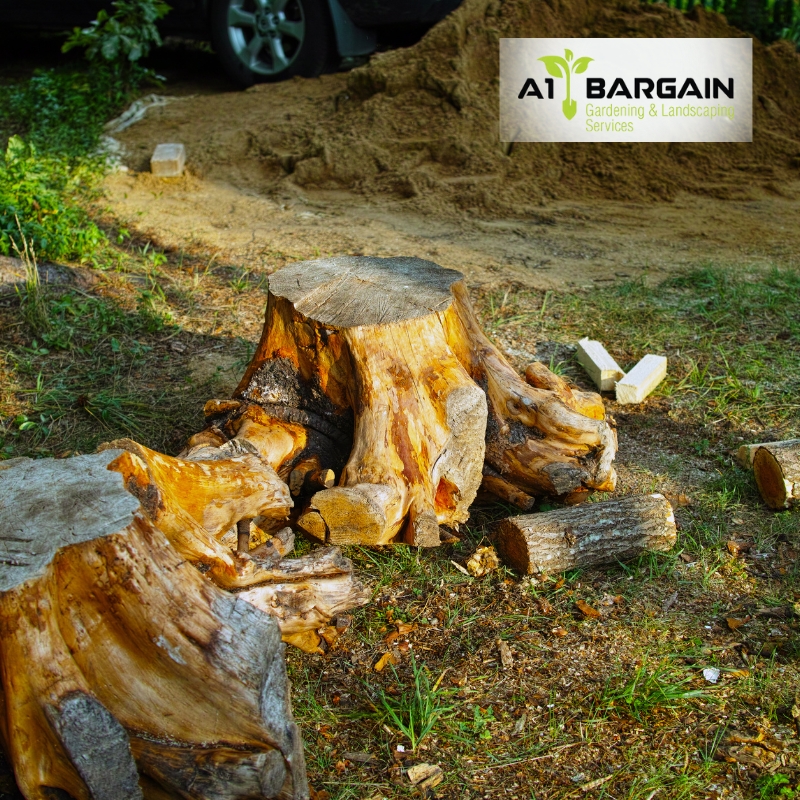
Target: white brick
[[602, 368], [642, 379], [168, 160]]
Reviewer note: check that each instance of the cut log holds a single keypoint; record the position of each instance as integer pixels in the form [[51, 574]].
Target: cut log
[[591, 534], [376, 370], [745, 453], [123, 666], [776, 467]]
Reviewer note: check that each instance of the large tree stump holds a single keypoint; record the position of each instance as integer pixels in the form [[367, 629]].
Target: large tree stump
[[776, 467], [377, 370], [125, 671], [589, 535]]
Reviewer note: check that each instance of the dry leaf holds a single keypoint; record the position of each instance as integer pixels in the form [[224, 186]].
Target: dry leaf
[[519, 725], [386, 658], [391, 637], [733, 548], [404, 628], [669, 602], [318, 795], [739, 673], [426, 776], [506, 658], [687, 558], [559, 632], [734, 623], [587, 610], [483, 561]]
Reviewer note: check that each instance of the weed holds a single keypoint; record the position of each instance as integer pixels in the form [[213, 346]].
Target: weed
[[32, 302], [415, 711], [646, 692], [776, 787]]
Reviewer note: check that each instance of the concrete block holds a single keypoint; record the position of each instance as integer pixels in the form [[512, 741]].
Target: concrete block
[[600, 366], [168, 160], [642, 379]]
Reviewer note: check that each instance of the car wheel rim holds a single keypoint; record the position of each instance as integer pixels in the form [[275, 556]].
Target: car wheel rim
[[266, 35]]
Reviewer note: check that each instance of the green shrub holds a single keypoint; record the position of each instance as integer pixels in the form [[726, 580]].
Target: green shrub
[[43, 192], [125, 36]]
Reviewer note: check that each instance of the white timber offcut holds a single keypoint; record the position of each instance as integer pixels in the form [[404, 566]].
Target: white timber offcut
[[642, 379], [602, 368], [168, 160]]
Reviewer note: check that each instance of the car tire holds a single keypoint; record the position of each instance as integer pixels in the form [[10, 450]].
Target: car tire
[[271, 40]]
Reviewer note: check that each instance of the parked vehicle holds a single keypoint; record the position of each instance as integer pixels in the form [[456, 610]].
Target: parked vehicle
[[259, 40]]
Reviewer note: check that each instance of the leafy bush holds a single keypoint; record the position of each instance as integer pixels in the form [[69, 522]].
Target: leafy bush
[[125, 36], [43, 191]]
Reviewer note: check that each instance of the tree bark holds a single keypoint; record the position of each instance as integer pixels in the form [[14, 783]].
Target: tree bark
[[125, 671], [776, 467], [589, 535], [377, 370]]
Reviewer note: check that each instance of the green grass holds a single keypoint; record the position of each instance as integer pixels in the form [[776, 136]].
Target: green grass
[[647, 691], [414, 709], [732, 340], [50, 131]]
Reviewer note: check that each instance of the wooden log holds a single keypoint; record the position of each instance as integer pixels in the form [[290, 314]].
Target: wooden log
[[587, 535], [376, 370], [745, 453], [776, 467], [124, 667]]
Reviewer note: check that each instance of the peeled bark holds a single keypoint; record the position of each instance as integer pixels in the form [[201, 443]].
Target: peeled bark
[[125, 671], [776, 467], [589, 535], [377, 370]]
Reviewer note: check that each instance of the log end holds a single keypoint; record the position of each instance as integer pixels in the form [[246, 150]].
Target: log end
[[775, 490], [513, 547]]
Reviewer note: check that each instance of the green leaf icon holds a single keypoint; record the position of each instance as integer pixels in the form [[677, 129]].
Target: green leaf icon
[[568, 54], [552, 65], [581, 64]]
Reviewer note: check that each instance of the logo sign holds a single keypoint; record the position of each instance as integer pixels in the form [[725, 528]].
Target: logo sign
[[626, 90]]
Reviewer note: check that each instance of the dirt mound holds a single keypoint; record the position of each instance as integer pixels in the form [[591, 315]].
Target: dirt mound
[[422, 123]]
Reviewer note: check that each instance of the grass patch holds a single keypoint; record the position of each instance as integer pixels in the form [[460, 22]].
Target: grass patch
[[733, 341]]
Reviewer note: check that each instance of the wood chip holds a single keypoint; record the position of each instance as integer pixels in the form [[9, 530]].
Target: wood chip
[[506, 657], [587, 610], [483, 561], [669, 602], [361, 758], [544, 606], [426, 776]]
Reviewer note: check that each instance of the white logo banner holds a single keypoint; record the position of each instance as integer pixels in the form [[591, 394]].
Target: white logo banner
[[626, 90]]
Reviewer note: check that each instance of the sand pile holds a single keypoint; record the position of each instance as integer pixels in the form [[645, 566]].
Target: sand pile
[[422, 122]]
